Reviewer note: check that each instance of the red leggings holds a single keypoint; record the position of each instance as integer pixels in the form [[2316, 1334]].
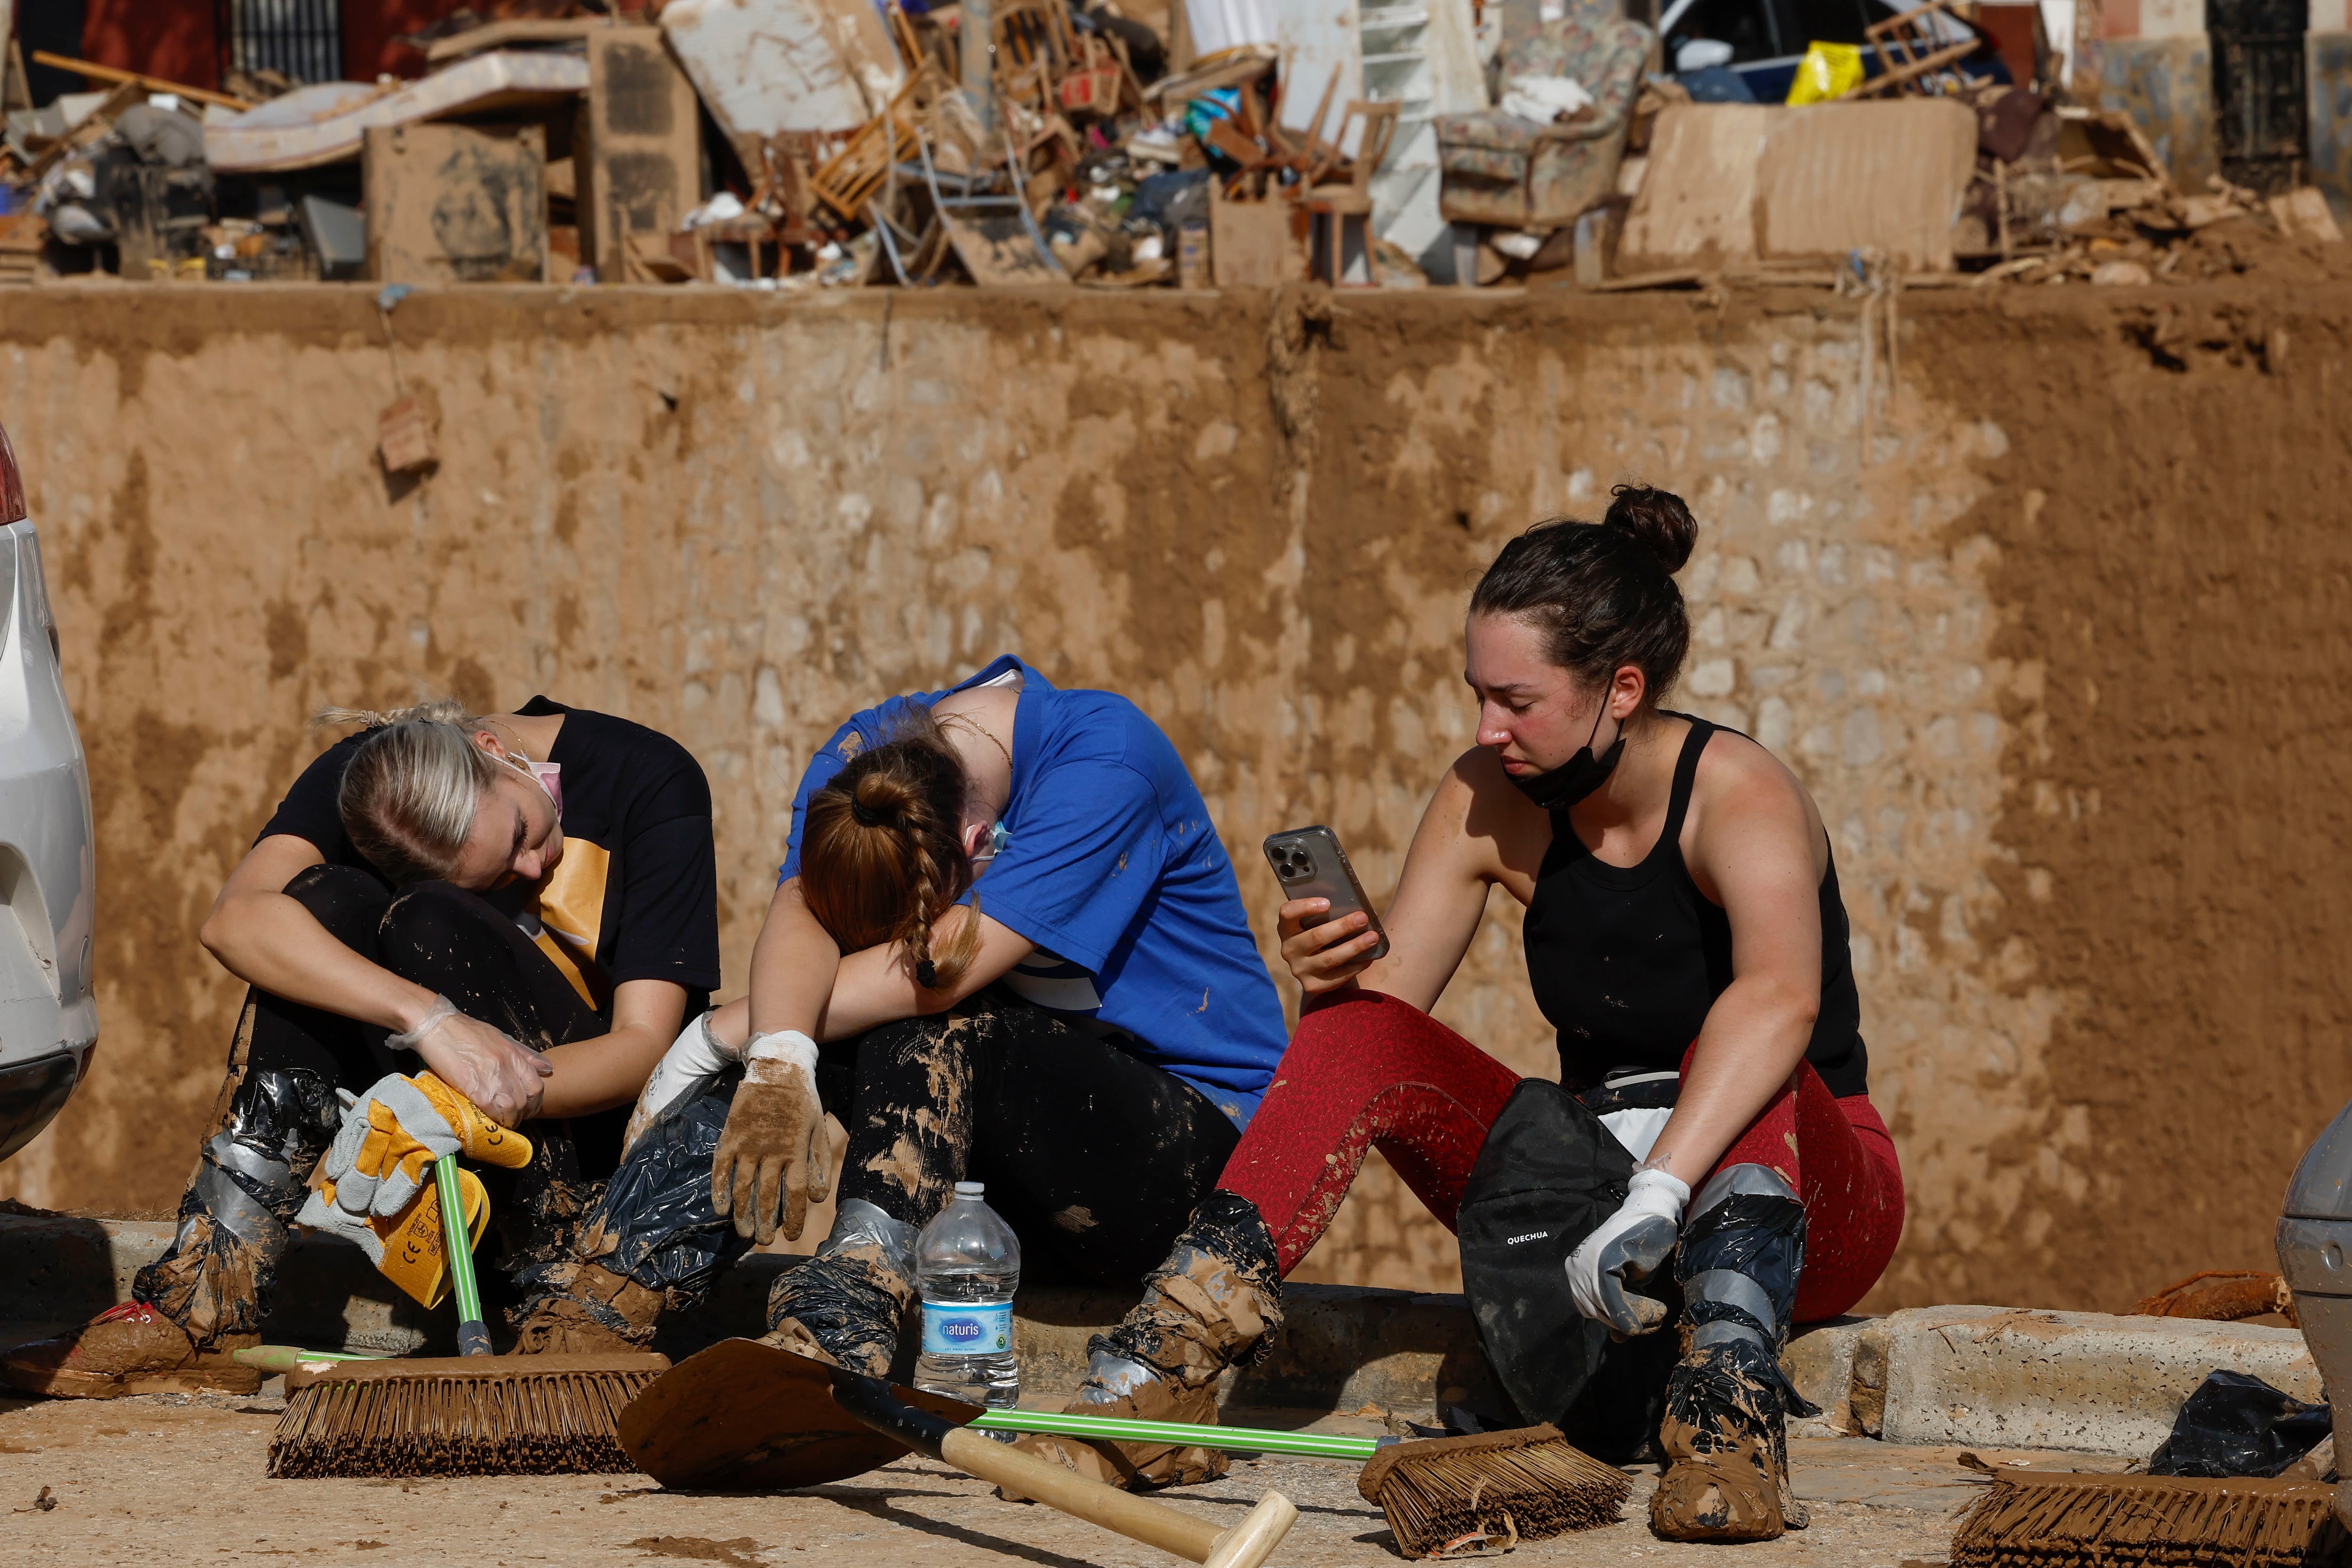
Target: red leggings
[[1373, 1072]]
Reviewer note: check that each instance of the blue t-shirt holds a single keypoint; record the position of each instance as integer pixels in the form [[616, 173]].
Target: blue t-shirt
[[1113, 869]]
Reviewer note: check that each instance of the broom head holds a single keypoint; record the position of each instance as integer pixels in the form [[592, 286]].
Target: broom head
[[2063, 1519], [1529, 1484], [459, 1415]]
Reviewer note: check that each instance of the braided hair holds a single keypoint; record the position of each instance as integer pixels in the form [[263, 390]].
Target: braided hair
[[882, 854]]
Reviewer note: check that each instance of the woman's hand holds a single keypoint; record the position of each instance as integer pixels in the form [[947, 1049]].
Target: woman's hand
[[502, 1077], [1326, 957]]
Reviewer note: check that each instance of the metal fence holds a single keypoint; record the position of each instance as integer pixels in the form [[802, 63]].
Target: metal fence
[[303, 38]]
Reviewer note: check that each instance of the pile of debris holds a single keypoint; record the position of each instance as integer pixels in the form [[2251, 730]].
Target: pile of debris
[[2063, 193]]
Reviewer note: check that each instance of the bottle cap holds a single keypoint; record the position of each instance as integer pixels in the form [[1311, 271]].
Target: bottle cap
[[970, 1189]]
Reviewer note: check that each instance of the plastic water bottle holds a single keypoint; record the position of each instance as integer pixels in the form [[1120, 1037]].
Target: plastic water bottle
[[967, 1266]]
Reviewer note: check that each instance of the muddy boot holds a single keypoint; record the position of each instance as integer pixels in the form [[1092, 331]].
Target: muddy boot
[[1215, 1303], [205, 1296], [592, 1311], [845, 1304], [1725, 1432]]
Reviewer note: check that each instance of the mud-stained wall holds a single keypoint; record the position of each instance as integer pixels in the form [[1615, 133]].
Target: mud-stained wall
[[2059, 654]]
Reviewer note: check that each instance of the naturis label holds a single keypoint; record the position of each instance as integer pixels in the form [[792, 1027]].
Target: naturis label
[[966, 1328]]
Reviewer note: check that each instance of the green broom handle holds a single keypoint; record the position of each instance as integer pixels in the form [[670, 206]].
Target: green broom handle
[[1241, 1439], [457, 1246]]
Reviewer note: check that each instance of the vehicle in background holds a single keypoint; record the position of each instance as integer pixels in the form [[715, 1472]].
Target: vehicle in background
[[1744, 51], [48, 865]]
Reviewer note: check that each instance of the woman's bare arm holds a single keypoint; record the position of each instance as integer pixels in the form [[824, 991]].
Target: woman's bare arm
[[1755, 850], [269, 940], [598, 1074], [1440, 899], [793, 968], [877, 986]]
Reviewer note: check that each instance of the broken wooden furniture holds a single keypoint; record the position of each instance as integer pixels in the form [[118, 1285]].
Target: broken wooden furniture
[[1340, 212], [1913, 50], [1499, 168], [982, 215]]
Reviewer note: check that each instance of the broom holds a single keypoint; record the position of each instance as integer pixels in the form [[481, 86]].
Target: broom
[[472, 1415], [1529, 1484], [2065, 1520]]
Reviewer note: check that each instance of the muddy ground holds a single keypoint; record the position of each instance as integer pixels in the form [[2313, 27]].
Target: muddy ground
[[171, 1478]]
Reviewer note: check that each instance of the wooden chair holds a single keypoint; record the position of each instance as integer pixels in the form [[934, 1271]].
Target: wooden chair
[[1340, 211]]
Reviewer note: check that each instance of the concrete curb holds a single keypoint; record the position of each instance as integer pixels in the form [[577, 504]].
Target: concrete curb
[[1975, 1375]]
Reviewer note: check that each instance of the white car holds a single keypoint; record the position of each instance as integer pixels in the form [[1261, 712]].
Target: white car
[[49, 867]]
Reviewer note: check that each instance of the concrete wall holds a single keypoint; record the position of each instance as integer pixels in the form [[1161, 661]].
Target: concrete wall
[[2061, 655], [2327, 81]]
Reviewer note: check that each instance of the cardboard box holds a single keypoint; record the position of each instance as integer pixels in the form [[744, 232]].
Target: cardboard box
[[450, 203]]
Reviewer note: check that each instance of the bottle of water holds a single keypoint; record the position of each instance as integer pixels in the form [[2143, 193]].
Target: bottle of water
[[967, 1266]]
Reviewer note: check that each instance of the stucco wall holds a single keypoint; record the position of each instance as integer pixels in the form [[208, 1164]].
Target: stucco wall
[[737, 520]]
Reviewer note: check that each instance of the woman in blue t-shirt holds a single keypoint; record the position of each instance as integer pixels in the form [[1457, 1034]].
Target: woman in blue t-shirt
[[1006, 945]]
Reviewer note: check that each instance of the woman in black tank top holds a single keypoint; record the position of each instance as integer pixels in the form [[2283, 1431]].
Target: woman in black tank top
[[1684, 936]]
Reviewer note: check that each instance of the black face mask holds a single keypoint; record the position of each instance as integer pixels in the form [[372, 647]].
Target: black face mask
[[1578, 776]]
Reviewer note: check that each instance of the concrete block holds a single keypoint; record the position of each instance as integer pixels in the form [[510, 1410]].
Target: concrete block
[[2166, 84], [1819, 1361], [2084, 1381]]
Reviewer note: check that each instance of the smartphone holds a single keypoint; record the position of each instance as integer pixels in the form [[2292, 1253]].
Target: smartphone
[[1309, 864]]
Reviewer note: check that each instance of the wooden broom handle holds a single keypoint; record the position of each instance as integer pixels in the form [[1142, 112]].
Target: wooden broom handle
[[1245, 1545]]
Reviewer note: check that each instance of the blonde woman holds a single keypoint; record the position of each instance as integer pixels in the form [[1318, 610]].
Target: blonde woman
[[524, 904]]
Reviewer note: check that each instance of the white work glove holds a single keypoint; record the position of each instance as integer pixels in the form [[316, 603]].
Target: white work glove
[[1629, 1245], [772, 1154], [693, 1062]]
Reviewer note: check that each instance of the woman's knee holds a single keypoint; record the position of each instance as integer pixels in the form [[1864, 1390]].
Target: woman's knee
[[428, 924], [349, 902]]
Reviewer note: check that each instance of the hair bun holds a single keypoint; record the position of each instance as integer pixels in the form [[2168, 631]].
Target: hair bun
[[1656, 520]]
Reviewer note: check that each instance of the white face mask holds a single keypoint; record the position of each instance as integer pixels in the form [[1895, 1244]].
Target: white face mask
[[997, 839], [548, 776]]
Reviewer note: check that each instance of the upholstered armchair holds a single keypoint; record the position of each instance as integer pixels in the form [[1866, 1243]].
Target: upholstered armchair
[[1499, 168]]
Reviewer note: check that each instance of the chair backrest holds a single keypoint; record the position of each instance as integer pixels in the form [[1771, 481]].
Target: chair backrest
[[1379, 123], [1607, 57]]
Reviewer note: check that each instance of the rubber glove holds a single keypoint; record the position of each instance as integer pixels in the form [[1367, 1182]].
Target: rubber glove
[[772, 1154], [694, 1060], [1625, 1248], [383, 1155]]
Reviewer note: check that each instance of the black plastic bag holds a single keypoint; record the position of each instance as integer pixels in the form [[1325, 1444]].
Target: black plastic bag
[[2237, 1425]]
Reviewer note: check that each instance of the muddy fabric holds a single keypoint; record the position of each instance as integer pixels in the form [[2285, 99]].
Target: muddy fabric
[[131, 1348], [1095, 1157], [278, 1110], [1726, 1435], [1137, 1467], [590, 1311], [849, 1304], [1215, 1301]]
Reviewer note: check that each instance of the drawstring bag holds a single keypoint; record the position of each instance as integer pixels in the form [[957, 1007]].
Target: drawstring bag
[[1550, 1170]]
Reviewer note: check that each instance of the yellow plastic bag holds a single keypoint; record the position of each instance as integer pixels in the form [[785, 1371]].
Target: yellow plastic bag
[[1827, 71]]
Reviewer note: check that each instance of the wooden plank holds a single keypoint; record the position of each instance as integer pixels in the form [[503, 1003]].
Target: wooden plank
[[449, 204], [637, 151], [497, 35], [1698, 201], [1835, 177]]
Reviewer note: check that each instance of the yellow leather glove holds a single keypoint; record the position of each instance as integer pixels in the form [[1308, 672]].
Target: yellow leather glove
[[382, 1155]]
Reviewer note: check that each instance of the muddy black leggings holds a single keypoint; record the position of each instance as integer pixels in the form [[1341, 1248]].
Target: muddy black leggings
[[278, 1111], [1093, 1155]]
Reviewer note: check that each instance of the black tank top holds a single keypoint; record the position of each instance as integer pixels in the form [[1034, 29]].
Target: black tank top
[[1625, 962]]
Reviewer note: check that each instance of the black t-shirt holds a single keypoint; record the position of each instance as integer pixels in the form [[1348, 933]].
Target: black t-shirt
[[635, 896]]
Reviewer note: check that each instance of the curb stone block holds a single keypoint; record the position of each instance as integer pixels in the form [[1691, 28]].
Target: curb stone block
[[2085, 1380]]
